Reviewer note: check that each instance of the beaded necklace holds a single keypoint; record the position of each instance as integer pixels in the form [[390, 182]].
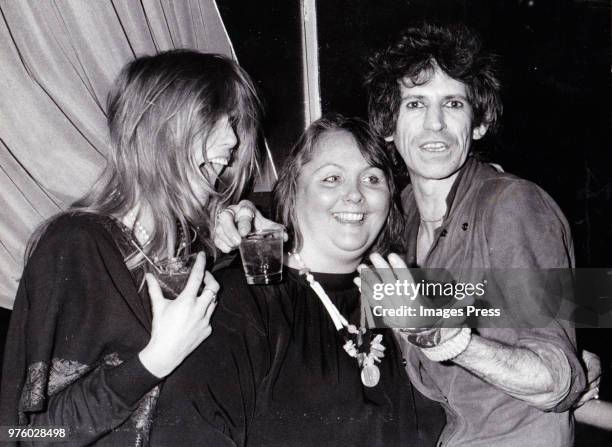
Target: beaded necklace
[[359, 343], [140, 232]]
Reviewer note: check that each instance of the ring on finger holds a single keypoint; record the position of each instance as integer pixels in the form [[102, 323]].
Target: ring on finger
[[228, 209], [213, 293], [245, 209]]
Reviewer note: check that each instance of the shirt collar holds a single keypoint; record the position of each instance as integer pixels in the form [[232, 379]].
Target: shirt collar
[[467, 173]]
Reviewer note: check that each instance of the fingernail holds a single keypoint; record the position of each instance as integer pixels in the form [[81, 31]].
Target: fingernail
[[394, 259]]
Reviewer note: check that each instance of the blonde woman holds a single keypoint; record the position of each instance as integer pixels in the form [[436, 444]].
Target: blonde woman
[[89, 345]]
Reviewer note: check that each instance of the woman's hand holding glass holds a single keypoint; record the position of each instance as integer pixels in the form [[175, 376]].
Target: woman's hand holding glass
[[179, 325], [236, 221]]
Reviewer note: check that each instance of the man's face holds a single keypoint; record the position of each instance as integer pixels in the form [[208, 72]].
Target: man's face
[[434, 127]]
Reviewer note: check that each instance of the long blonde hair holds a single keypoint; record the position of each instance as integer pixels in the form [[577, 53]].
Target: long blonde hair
[[159, 107]]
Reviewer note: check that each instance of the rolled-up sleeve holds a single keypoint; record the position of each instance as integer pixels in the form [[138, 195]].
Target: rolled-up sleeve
[[527, 231]]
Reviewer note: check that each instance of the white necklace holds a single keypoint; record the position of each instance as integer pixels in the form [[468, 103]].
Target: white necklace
[[140, 231], [355, 339]]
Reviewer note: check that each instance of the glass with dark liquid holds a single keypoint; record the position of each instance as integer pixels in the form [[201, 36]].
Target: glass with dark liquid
[[173, 273]]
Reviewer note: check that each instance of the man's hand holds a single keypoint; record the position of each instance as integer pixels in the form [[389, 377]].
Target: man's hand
[[236, 221], [395, 272]]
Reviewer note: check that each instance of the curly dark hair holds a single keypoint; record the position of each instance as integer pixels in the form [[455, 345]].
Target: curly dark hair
[[373, 150], [456, 49]]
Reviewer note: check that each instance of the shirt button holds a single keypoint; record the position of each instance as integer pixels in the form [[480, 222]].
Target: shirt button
[[404, 362], [443, 233], [464, 227]]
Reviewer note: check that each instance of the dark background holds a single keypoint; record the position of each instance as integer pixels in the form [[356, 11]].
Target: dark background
[[556, 72], [266, 36], [555, 130], [555, 68]]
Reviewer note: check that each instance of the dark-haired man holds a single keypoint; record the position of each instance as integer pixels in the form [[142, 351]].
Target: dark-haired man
[[431, 94]]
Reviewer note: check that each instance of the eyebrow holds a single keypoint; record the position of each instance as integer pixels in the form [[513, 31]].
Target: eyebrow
[[445, 97], [335, 165]]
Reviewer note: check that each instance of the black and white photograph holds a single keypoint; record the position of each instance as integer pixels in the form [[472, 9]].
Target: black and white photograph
[[305, 223]]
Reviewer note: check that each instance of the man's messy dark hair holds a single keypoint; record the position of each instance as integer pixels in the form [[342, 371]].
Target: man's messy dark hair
[[455, 49]]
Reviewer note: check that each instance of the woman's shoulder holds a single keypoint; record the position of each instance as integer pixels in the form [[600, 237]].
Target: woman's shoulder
[[232, 279], [242, 305], [76, 224], [75, 259], [239, 309], [235, 295], [228, 267], [75, 236]]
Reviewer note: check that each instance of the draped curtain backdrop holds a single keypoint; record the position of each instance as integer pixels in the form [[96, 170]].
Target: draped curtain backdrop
[[58, 59]]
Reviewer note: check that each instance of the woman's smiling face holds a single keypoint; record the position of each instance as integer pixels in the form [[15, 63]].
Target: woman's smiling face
[[342, 202], [220, 143]]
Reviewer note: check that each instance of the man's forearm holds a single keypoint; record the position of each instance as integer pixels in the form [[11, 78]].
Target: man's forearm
[[519, 371]]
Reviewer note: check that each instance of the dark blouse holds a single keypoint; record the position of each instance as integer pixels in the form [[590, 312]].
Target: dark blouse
[[77, 326], [274, 373]]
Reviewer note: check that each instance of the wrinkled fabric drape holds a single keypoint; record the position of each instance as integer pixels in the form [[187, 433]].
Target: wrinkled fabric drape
[[58, 59]]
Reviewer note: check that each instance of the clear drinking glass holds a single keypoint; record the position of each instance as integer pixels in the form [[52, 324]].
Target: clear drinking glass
[[262, 256], [172, 274]]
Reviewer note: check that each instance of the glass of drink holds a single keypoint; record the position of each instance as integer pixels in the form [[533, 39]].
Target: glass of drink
[[262, 256], [172, 274]]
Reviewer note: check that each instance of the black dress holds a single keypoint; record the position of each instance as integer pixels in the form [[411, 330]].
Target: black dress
[[274, 373], [71, 358]]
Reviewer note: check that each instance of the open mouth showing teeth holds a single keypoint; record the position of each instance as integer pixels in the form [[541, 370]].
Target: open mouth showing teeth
[[434, 147], [349, 217], [219, 161]]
